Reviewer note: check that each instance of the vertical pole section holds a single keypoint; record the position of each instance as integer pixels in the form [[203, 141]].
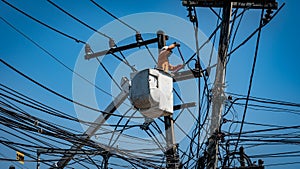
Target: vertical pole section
[[172, 157], [105, 159], [38, 160], [218, 90], [242, 159], [161, 39], [171, 153]]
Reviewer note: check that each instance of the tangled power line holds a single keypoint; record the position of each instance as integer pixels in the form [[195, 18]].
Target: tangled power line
[[23, 115]]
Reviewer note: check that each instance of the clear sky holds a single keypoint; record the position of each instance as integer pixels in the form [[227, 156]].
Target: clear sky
[[276, 75]]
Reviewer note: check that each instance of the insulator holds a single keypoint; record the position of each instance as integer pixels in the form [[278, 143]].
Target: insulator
[[138, 37], [88, 49], [225, 120], [111, 43], [265, 20], [270, 11], [190, 15], [36, 123], [267, 16], [260, 162], [229, 97], [197, 66], [192, 18], [40, 130]]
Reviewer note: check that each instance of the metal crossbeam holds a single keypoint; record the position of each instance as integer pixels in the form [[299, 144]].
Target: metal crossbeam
[[121, 48], [183, 106], [70, 151], [253, 4], [185, 75]]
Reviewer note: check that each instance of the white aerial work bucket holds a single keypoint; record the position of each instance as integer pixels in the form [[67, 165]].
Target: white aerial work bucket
[[151, 92]]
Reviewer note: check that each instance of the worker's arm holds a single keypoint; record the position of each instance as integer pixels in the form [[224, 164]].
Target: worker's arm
[[173, 45], [175, 68]]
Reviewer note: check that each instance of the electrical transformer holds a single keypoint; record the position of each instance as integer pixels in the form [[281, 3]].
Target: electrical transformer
[[151, 92]]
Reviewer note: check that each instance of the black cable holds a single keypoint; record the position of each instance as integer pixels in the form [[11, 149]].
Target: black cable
[[270, 108], [195, 23], [112, 15], [39, 106], [217, 14], [56, 93], [255, 31], [16, 163], [78, 20], [282, 164], [27, 115], [93, 29], [214, 41], [25, 153], [155, 140], [209, 38], [108, 73], [180, 54], [93, 162], [251, 77], [122, 130], [35, 119], [43, 108], [44, 24], [109, 13], [256, 124], [27, 140], [267, 100], [234, 36], [126, 24], [277, 154], [124, 60], [206, 90], [61, 133], [53, 57], [270, 129]]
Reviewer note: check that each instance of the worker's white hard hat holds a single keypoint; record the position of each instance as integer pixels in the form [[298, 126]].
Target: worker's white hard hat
[[164, 48]]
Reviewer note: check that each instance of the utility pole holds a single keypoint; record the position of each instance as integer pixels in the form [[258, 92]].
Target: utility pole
[[218, 89], [172, 158], [219, 84]]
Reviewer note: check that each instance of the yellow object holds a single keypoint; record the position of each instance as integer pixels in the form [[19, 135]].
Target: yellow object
[[20, 157]]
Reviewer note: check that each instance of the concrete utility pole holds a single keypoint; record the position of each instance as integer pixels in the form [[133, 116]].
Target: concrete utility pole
[[219, 84], [218, 90]]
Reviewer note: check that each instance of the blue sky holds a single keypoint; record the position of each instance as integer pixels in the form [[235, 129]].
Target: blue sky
[[276, 74]]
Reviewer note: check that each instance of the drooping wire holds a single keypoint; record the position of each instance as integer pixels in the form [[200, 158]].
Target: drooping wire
[[93, 29], [209, 38], [44, 24], [112, 15], [255, 31], [53, 57], [78, 20], [56, 93], [136, 31], [108, 73], [251, 78], [234, 36]]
